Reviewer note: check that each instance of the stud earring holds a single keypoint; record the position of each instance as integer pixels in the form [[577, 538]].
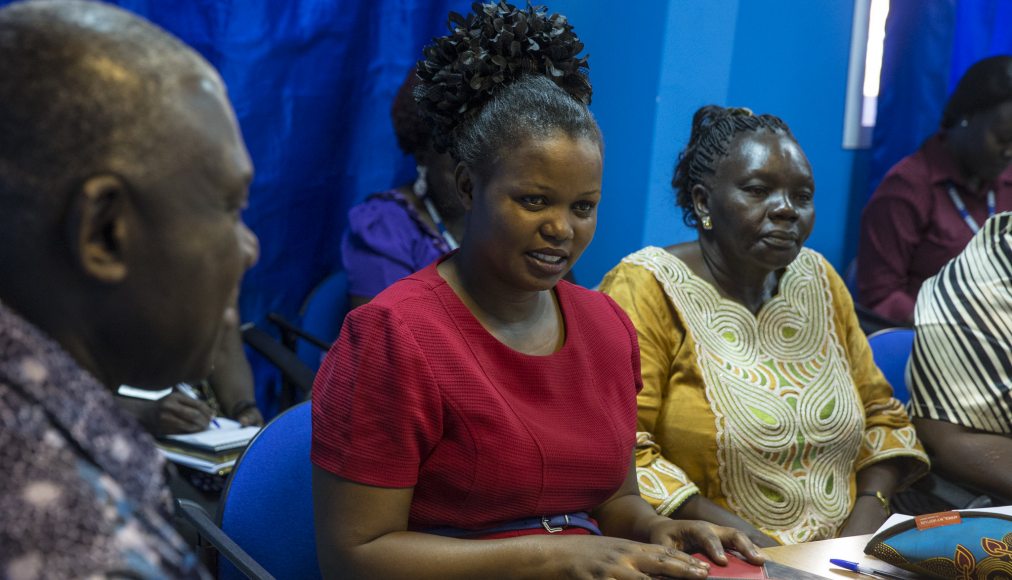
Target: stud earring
[[707, 224], [964, 123]]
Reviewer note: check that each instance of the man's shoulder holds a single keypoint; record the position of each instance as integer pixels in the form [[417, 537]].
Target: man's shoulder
[[62, 515]]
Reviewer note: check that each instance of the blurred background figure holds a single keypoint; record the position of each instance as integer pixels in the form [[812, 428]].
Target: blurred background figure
[[400, 231], [932, 202]]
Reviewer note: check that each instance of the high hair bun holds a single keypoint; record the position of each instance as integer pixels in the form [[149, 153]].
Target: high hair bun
[[491, 47]]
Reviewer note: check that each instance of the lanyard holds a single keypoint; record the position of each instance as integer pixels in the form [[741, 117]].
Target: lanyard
[[961, 207], [431, 208]]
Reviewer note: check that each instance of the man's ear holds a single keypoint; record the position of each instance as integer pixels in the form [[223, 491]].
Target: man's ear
[[465, 185], [700, 200], [97, 229]]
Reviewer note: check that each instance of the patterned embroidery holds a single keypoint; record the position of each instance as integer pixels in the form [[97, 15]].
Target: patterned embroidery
[[789, 420], [651, 485]]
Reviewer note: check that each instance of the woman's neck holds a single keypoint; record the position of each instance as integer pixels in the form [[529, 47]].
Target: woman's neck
[[745, 284], [487, 297], [528, 322]]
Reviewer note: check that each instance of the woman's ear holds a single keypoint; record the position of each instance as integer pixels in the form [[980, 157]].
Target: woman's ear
[[700, 200], [465, 185], [97, 229]]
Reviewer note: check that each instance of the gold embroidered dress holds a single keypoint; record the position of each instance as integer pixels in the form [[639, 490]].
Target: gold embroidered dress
[[768, 415]]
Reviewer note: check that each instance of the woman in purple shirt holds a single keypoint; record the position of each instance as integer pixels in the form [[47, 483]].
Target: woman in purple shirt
[[397, 232], [931, 203]]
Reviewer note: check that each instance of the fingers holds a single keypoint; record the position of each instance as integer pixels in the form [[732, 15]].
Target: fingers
[[181, 414], [671, 563], [740, 542], [710, 544]]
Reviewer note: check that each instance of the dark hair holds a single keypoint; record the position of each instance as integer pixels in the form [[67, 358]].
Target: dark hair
[[64, 117], [413, 133], [503, 75], [986, 84], [713, 130]]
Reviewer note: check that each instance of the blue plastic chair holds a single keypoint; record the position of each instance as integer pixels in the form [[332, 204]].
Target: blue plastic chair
[[891, 348], [322, 315], [267, 505]]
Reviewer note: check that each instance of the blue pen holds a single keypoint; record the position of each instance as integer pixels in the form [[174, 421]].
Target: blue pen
[[866, 570]]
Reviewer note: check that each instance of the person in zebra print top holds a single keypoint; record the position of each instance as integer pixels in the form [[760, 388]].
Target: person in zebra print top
[[960, 373]]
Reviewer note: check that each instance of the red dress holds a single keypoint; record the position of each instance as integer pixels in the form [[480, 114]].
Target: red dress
[[416, 393]]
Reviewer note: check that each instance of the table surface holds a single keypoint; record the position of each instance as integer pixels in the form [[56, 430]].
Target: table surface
[[814, 557]]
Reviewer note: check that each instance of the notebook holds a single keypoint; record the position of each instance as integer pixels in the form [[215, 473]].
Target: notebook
[[226, 436]]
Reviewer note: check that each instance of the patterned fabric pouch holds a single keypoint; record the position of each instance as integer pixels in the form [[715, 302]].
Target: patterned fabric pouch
[[967, 545]]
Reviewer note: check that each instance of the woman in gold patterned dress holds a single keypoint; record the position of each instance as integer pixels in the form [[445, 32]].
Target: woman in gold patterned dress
[[762, 408]]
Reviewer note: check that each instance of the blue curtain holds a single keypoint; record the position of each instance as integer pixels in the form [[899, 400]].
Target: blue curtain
[[312, 82], [929, 44]]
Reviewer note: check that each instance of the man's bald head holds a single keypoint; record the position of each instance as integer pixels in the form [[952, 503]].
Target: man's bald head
[[122, 178], [85, 88]]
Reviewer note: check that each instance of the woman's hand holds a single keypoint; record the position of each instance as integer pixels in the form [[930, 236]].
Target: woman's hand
[[698, 507], [699, 536], [606, 557]]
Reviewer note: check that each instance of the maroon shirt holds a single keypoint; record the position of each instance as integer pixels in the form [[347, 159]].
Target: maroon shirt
[[910, 227]]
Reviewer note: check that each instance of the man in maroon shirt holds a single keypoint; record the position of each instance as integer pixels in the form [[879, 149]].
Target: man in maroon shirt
[[931, 203]]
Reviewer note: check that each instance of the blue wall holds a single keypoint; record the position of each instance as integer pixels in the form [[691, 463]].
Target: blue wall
[[653, 67]]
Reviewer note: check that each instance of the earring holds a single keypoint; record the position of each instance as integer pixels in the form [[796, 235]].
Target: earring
[[421, 185], [707, 224], [964, 123]]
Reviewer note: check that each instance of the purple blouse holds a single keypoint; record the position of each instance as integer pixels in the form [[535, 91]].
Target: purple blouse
[[386, 240]]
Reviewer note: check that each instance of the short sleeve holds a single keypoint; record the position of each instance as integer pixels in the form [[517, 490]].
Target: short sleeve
[[380, 246], [377, 410], [888, 432], [662, 483]]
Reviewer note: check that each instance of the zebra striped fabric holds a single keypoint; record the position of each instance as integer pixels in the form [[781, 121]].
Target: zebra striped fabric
[[961, 367]]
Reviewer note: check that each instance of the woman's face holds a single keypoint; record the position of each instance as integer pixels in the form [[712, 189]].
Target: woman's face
[[760, 201], [984, 146], [535, 210]]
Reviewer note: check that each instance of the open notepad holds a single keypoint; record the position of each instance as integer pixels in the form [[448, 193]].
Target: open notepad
[[214, 450], [226, 436]]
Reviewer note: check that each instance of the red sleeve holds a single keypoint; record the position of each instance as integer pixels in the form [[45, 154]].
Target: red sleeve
[[377, 409], [634, 344], [891, 228]]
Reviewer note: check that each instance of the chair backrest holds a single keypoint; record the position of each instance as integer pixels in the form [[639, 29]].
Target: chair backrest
[[322, 314], [891, 349], [267, 506]]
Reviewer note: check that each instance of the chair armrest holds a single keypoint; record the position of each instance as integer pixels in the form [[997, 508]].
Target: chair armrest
[[287, 327], [293, 369], [224, 544]]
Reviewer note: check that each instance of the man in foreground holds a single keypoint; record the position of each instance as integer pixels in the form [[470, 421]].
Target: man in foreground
[[122, 176]]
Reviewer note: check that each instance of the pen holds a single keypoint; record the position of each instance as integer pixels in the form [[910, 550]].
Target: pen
[[187, 390], [866, 570]]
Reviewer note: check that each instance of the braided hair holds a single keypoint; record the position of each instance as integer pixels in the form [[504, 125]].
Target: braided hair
[[501, 76], [714, 128]]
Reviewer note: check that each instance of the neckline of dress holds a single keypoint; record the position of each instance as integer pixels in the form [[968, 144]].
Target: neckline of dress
[[561, 298], [721, 299]]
